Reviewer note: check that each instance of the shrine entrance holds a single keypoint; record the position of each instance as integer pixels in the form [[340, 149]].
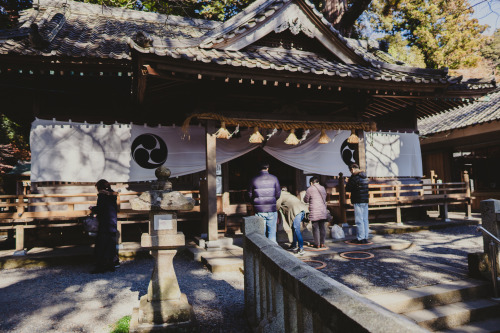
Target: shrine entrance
[[241, 170]]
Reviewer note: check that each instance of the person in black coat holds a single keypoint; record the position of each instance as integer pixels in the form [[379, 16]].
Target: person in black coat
[[106, 211], [358, 186]]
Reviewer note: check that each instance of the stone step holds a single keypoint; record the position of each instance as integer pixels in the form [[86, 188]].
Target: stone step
[[221, 242], [455, 315], [223, 261], [229, 259], [483, 326], [229, 264], [428, 296]]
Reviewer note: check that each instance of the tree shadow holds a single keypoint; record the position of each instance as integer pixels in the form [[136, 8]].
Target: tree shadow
[[437, 259], [70, 299]]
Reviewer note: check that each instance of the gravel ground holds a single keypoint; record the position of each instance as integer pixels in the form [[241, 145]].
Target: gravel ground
[[420, 265], [69, 299]]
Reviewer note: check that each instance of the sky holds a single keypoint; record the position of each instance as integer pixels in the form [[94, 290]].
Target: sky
[[487, 12]]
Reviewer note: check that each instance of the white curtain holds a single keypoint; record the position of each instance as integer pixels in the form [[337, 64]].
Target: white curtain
[[311, 156], [393, 155], [77, 152]]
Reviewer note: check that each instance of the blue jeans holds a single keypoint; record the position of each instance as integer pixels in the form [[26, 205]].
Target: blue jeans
[[271, 220], [361, 219], [297, 236]]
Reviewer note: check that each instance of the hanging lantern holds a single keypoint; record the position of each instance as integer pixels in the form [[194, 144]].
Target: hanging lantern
[[353, 139], [292, 139], [324, 138], [256, 137], [222, 132]]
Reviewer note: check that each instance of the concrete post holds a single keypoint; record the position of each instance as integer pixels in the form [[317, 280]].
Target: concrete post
[[252, 224], [490, 216]]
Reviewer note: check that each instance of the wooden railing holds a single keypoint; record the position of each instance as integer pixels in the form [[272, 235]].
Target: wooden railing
[[30, 207], [20, 212], [397, 196]]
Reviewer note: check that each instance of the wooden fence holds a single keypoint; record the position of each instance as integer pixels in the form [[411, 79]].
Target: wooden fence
[[20, 212], [398, 196], [60, 210]]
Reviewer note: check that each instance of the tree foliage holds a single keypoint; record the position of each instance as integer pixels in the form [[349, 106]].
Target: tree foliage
[[9, 10], [400, 50], [443, 30], [13, 144], [220, 10], [492, 50]]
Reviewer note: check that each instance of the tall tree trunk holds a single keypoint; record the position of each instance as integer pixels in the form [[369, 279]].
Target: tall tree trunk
[[342, 17], [333, 10], [347, 21]]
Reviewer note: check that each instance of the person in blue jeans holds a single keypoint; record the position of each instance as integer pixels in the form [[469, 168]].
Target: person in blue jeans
[[263, 191], [294, 210], [358, 186]]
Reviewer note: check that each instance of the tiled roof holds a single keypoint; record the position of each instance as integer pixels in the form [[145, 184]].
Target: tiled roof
[[93, 31], [75, 30], [280, 59], [484, 110]]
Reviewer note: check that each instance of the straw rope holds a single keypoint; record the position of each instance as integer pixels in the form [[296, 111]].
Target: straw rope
[[284, 125]]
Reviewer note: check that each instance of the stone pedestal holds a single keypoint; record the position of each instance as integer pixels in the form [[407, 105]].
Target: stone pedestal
[[164, 308]]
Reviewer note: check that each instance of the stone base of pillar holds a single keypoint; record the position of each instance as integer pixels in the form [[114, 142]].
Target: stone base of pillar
[[19, 253], [163, 316]]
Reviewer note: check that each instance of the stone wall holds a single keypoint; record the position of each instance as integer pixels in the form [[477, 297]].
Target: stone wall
[[283, 294]]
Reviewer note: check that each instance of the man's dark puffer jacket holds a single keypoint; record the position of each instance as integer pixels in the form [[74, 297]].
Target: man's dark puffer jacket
[[358, 186], [264, 190]]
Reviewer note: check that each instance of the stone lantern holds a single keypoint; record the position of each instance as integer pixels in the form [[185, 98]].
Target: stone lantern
[[164, 308]]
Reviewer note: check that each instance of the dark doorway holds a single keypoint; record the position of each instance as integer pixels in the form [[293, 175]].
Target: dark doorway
[[242, 169]]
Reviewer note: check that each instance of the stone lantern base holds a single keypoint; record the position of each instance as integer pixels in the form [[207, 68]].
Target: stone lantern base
[[163, 316], [164, 308]]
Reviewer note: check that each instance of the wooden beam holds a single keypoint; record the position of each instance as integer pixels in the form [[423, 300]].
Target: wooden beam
[[237, 73], [210, 147]]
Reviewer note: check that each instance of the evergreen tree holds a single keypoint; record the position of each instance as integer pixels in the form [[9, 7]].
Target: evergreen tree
[[492, 50], [443, 30]]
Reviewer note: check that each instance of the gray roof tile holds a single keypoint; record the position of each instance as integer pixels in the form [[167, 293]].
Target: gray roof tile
[[485, 110], [77, 30]]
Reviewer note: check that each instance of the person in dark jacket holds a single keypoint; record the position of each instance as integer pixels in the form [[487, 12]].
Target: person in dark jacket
[[358, 186], [106, 211], [263, 191]]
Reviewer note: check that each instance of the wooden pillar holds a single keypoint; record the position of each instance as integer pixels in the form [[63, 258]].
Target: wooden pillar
[[211, 186], [342, 198], [225, 187], [19, 238], [361, 149], [119, 239], [468, 207]]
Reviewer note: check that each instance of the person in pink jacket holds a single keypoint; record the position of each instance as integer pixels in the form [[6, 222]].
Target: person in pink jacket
[[316, 198]]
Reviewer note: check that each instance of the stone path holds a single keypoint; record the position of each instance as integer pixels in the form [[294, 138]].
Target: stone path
[[436, 256]]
